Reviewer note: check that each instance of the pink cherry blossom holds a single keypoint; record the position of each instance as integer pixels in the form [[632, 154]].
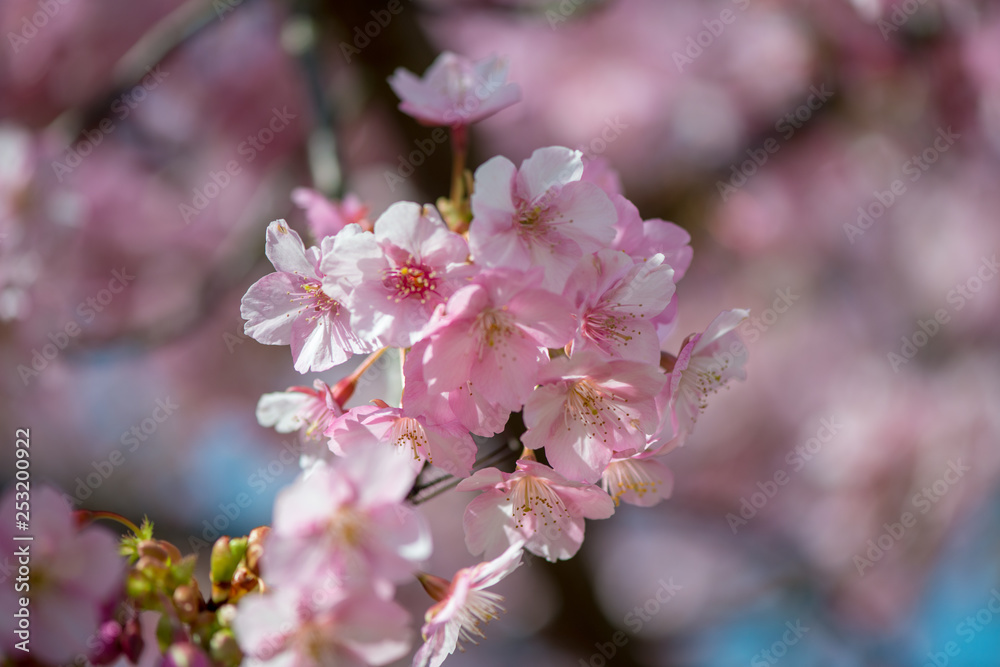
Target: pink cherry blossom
[[348, 519], [586, 409], [706, 363], [534, 504], [326, 217], [639, 479], [491, 337], [455, 90], [617, 299], [393, 279], [480, 416], [290, 306], [447, 446], [599, 172], [643, 239], [541, 215], [463, 605], [309, 411], [74, 574], [321, 625]]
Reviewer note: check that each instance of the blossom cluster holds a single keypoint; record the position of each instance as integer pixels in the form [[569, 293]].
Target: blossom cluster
[[541, 291], [535, 291]]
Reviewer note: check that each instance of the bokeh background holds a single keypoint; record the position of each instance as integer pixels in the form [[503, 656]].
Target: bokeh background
[[836, 163]]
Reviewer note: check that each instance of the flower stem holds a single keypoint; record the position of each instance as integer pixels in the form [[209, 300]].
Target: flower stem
[[89, 515], [459, 147]]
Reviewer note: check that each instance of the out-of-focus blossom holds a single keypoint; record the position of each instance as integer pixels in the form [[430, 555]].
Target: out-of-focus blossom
[[541, 215], [348, 520], [586, 409], [393, 280], [74, 574], [533, 504], [326, 217], [617, 300], [321, 625], [462, 606], [290, 306], [455, 90]]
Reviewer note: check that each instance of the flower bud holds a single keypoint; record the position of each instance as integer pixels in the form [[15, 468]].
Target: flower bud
[[255, 548], [153, 550], [132, 642], [224, 648], [185, 654], [187, 600], [108, 640]]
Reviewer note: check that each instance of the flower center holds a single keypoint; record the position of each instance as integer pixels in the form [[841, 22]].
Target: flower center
[[593, 408], [623, 476], [410, 280], [607, 329], [312, 297], [494, 328], [408, 432], [535, 499]]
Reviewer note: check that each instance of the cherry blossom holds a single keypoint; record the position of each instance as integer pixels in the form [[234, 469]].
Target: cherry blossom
[[348, 520], [290, 306], [541, 215], [706, 363], [447, 446], [326, 217], [74, 574], [321, 625], [639, 479], [617, 300], [587, 409], [642, 239], [308, 411], [491, 336], [534, 504], [393, 279], [455, 90], [463, 606]]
